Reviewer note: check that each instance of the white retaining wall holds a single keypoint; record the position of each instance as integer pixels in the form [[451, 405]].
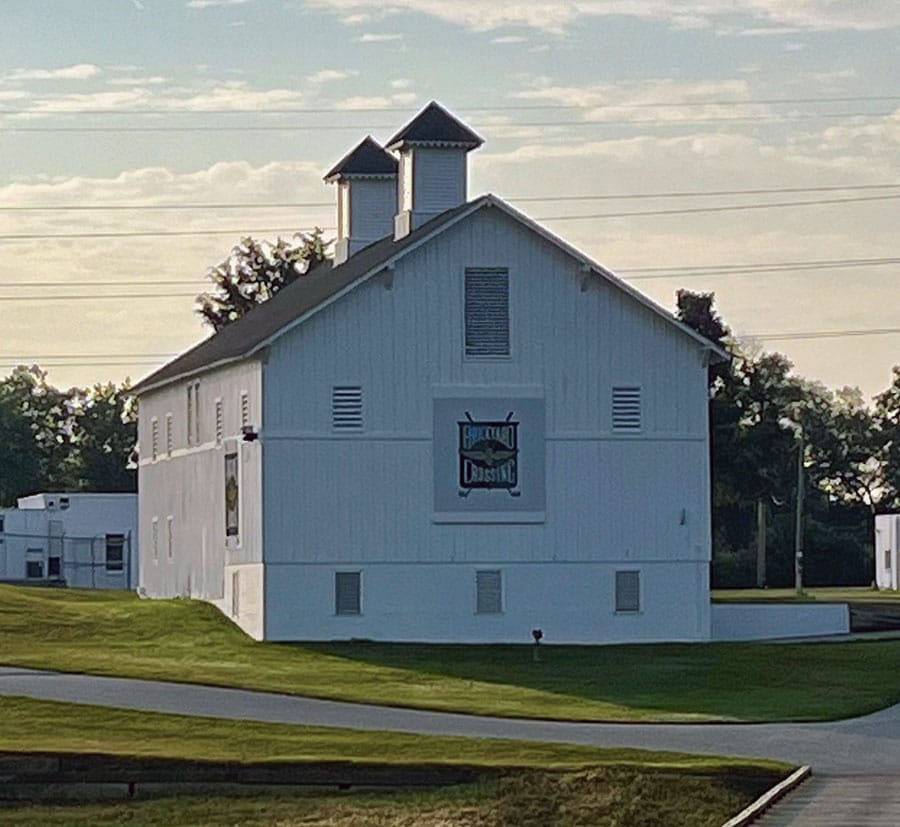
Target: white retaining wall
[[762, 621]]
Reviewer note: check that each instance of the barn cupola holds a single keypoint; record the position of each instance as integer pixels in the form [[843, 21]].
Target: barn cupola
[[367, 197], [432, 174]]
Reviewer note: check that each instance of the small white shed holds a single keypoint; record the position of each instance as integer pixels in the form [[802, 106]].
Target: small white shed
[[887, 541], [80, 540]]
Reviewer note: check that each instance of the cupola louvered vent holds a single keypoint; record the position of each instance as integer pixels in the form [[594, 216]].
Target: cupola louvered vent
[[626, 409], [487, 312], [346, 408]]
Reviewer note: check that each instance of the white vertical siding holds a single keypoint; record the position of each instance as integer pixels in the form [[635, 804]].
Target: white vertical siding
[[629, 499], [189, 485], [373, 205], [439, 179]]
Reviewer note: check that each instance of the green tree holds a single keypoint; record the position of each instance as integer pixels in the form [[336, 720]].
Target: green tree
[[255, 271], [105, 436], [887, 417]]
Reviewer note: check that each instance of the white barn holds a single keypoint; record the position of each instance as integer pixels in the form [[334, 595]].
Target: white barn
[[74, 539], [460, 429], [887, 551]]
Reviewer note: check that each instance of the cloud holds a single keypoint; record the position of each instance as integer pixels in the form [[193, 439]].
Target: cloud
[[509, 39], [79, 71], [211, 4], [211, 94], [329, 75], [370, 37], [152, 80], [559, 15]]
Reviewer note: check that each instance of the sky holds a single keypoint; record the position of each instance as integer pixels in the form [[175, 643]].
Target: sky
[[651, 134]]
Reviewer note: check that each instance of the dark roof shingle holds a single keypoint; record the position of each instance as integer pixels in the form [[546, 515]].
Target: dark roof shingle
[[366, 158], [319, 284], [434, 124]]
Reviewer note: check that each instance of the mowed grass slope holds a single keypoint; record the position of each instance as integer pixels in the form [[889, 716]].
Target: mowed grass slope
[[119, 634], [860, 594], [522, 783]]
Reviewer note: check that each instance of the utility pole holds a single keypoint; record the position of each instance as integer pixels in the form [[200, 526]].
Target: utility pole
[[760, 543], [798, 527]]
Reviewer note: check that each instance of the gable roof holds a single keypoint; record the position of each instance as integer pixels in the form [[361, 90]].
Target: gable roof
[[324, 283], [435, 125], [366, 159]]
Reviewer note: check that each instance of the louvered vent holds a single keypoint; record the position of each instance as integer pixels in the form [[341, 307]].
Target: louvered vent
[[628, 591], [489, 595], [346, 408], [220, 422], [487, 312], [626, 409]]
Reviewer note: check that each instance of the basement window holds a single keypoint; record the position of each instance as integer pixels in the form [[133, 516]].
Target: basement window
[[628, 591], [487, 312], [488, 592], [626, 408], [347, 593]]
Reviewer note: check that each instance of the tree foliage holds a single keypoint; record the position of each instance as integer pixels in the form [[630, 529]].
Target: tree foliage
[[54, 440], [758, 407], [255, 271]]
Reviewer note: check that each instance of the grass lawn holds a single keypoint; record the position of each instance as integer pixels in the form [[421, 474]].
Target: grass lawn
[[109, 633], [540, 784], [860, 594]]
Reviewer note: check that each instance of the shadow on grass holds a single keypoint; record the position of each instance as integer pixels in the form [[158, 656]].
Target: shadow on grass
[[752, 682]]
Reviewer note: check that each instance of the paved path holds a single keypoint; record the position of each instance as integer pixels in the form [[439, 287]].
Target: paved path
[[857, 746], [847, 801]]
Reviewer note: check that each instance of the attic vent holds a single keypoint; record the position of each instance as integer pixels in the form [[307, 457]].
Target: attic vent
[[154, 438], [245, 409], [487, 312], [626, 409], [220, 422], [346, 408]]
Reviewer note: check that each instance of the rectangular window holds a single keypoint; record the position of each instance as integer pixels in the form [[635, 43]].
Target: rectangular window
[[347, 593], [170, 438], [346, 408], [245, 410], [220, 422], [53, 567], [232, 496], [1, 523], [154, 538], [170, 538], [628, 591], [887, 558], [190, 414], [115, 552], [487, 312], [197, 413], [34, 569], [154, 438], [235, 593], [488, 592], [626, 408]]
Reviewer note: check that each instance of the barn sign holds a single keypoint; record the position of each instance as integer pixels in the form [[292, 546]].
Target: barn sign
[[488, 455]]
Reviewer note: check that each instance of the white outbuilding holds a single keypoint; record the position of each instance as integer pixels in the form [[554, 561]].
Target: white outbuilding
[[460, 429], [73, 539], [887, 556]]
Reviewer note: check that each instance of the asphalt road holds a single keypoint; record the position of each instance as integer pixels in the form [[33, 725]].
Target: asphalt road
[[866, 745]]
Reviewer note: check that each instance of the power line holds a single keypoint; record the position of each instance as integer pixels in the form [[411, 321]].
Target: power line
[[96, 297], [820, 334], [155, 233], [627, 274], [522, 199], [494, 108], [247, 231], [786, 336], [672, 122], [721, 208]]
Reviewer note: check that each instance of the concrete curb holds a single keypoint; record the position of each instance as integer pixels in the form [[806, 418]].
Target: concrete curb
[[768, 798]]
